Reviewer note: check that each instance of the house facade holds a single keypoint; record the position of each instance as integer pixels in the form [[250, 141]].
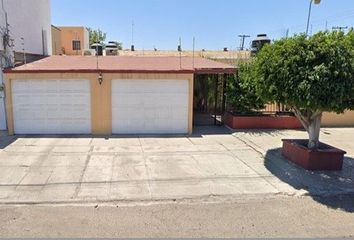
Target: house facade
[[28, 24], [56, 41], [105, 95], [74, 40]]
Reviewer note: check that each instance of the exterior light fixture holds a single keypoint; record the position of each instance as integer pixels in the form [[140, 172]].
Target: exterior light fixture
[[100, 79]]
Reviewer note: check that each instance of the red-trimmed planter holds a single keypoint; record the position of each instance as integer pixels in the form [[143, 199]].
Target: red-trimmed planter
[[325, 158], [262, 122]]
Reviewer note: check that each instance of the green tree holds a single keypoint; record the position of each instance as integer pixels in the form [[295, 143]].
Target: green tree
[[241, 92], [310, 75], [96, 36]]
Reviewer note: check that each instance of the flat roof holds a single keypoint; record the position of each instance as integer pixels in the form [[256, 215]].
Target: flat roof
[[123, 64]]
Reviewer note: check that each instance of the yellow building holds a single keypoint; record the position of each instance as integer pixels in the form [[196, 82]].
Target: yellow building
[[72, 40], [105, 95], [56, 41]]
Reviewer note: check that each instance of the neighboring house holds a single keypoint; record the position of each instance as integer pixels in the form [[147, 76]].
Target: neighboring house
[[74, 40], [229, 57], [106, 95], [56, 41], [29, 28]]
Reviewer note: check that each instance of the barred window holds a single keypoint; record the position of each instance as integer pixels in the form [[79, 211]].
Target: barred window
[[76, 45]]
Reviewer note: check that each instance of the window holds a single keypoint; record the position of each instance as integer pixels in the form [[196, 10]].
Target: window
[[76, 45]]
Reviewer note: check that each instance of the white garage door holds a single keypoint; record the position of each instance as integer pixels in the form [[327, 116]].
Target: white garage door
[[51, 106], [150, 106]]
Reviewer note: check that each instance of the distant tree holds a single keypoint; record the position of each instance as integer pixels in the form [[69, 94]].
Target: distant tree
[[310, 75], [96, 36]]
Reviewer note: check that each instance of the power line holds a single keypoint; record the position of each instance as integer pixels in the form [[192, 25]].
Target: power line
[[319, 21]]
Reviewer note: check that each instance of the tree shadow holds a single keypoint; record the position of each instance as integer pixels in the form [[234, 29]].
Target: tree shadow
[[334, 189], [264, 132], [199, 131]]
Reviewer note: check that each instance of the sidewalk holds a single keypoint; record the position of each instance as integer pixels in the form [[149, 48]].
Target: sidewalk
[[211, 163]]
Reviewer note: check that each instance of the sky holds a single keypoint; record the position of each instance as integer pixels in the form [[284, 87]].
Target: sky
[[214, 24]]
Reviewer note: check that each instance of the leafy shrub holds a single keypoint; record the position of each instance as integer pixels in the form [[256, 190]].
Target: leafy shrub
[[242, 95]]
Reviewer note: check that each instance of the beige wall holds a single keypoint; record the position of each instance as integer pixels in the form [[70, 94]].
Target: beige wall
[[101, 95], [338, 120], [56, 41], [68, 34], [328, 119]]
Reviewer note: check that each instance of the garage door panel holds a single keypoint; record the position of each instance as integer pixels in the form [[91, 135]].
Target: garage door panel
[[52, 99], [150, 106], [22, 99], [180, 115], [51, 106], [149, 86], [165, 113], [130, 114], [180, 99], [20, 86], [52, 86]]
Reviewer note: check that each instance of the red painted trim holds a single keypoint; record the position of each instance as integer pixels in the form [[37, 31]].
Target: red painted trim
[[262, 122], [216, 70], [197, 71], [96, 71]]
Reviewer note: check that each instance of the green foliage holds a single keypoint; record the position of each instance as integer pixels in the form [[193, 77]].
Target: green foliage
[[96, 36], [242, 96], [310, 74], [204, 91]]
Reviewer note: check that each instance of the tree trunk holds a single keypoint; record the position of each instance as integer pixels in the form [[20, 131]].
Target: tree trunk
[[313, 130]]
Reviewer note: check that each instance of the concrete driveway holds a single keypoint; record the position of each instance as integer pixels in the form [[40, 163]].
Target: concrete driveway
[[212, 162]]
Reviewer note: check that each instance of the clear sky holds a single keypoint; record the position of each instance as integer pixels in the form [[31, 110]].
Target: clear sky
[[214, 23]]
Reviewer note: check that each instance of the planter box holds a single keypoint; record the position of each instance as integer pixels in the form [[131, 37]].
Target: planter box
[[325, 158], [262, 122]]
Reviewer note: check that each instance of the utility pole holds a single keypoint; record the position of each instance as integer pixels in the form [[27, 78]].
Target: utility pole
[[243, 37], [339, 28], [8, 45], [6, 61]]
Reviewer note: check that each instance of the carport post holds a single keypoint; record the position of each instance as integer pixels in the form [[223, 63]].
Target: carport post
[[216, 77], [224, 94]]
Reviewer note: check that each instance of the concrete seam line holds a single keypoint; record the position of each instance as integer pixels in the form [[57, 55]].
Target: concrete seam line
[[75, 195]]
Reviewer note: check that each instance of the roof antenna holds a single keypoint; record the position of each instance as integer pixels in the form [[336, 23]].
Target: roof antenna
[[24, 51], [132, 48], [193, 50], [97, 51], [180, 52]]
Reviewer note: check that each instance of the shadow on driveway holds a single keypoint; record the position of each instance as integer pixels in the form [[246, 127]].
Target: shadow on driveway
[[334, 189]]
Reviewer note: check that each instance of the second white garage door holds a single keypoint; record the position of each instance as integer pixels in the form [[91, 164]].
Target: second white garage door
[[150, 106], [51, 106]]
